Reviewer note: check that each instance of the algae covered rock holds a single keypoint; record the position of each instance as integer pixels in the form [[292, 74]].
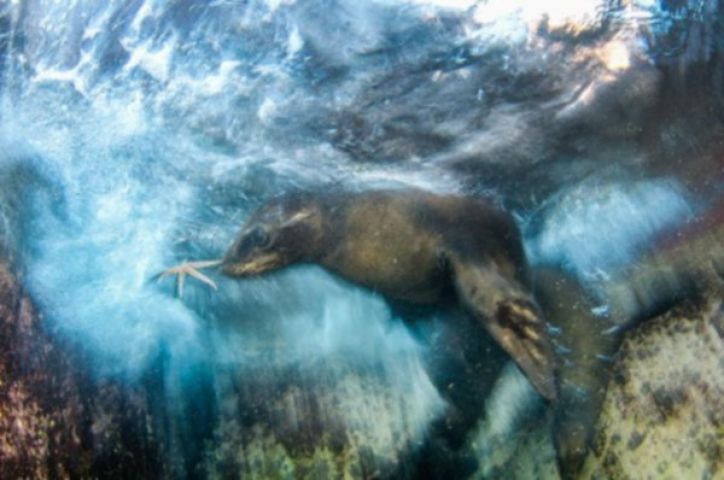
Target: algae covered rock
[[663, 416], [41, 415], [55, 420], [328, 420], [663, 413]]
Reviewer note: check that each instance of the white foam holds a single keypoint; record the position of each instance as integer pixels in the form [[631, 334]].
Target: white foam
[[295, 42], [156, 61], [510, 403], [595, 227], [215, 83], [447, 4], [512, 397], [267, 109], [275, 4]]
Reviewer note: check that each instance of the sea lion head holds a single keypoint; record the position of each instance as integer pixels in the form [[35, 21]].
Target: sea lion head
[[284, 231]]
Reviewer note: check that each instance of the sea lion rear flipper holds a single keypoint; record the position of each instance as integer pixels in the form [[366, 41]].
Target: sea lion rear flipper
[[512, 317]]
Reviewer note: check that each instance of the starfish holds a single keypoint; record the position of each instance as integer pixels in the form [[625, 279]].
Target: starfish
[[190, 268]]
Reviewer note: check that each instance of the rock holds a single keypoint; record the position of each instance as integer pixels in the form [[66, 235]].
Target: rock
[[663, 416], [663, 413], [55, 420], [42, 414], [529, 456], [325, 420]]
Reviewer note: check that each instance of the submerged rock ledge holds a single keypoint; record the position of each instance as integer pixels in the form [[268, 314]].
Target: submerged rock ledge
[[662, 417], [663, 414], [55, 422]]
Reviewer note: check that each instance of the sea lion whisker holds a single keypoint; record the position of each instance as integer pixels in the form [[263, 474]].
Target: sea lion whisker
[[297, 217]]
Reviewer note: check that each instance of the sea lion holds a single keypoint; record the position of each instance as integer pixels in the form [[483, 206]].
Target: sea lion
[[411, 246]]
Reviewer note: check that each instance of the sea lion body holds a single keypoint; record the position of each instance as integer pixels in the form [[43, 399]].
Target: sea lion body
[[411, 246], [382, 246], [400, 244]]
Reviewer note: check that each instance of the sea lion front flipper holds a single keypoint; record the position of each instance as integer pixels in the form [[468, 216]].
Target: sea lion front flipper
[[511, 316]]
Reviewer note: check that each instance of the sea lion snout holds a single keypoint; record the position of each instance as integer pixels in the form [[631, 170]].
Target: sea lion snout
[[252, 253], [273, 238], [250, 267]]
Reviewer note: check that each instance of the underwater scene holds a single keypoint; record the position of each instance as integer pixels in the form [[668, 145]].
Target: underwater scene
[[362, 239]]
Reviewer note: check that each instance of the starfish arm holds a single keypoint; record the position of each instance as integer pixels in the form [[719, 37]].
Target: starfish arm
[[204, 263], [166, 273], [200, 276], [190, 268], [180, 284]]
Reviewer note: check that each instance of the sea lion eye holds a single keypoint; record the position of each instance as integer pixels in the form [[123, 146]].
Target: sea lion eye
[[259, 237]]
